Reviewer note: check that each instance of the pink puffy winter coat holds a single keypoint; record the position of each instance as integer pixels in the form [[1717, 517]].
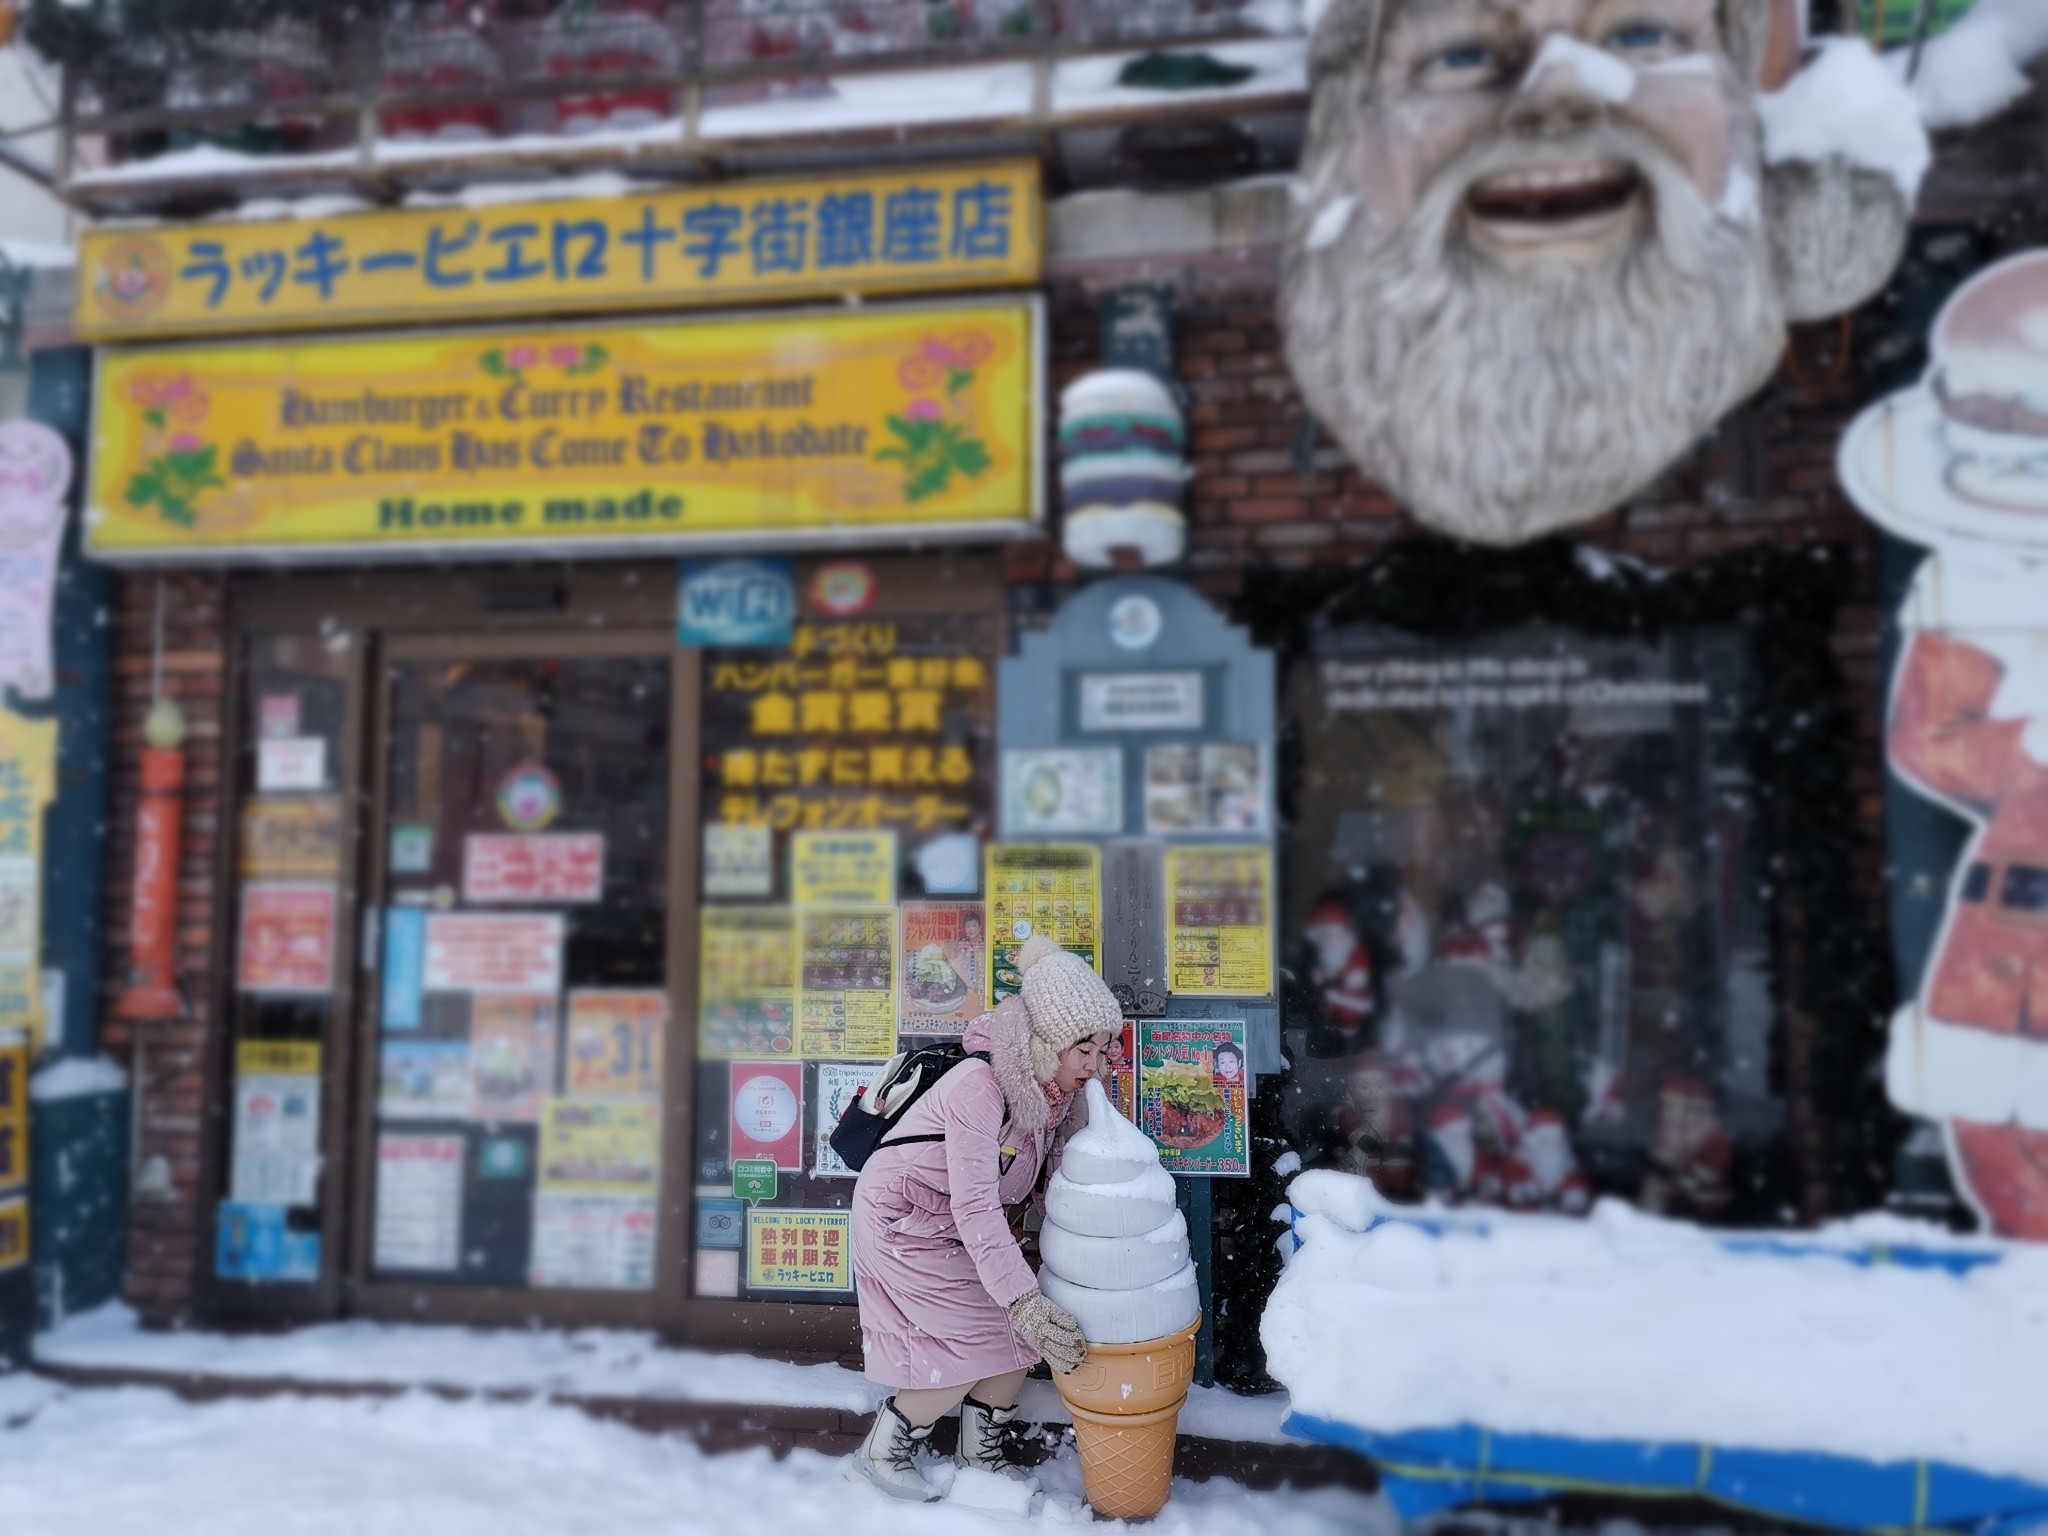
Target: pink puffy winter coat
[[934, 1265]]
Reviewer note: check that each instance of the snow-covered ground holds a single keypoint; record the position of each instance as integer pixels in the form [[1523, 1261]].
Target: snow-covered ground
[[590, 1362], [133, 1462]]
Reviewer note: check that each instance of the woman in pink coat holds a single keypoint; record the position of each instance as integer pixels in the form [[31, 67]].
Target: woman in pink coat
[[949, 1311]]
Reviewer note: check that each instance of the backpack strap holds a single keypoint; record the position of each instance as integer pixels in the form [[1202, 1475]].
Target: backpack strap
[[904, 1141]]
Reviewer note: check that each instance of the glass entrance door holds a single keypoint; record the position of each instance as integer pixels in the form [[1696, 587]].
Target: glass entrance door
[[515, 1085]]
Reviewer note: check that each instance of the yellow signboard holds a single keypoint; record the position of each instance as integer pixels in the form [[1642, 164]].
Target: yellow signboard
[[1219, 921], [13, 1111], [13, 1234], [277, 1058], [28, 783], [799, 1250], [908, 422], [890, 231]]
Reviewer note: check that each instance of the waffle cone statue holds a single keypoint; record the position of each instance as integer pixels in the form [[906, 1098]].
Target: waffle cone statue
[[1116, 1257]]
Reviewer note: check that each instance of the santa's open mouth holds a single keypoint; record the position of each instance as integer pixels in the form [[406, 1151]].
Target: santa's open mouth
[[1549, 204]]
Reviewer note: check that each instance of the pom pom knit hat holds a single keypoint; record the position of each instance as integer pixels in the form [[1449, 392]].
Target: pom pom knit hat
[[1067, 1002]]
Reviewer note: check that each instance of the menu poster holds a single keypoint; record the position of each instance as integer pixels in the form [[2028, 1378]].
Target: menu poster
[[746, 982], [493, 952], [593, 1242], [1192, 1087], [799, 1250], [1049, 888], [600, 1147], [739, 861], [419, 1203], [291, 838], [943, 954], [1219, 940], [768, 1112], [838, 1082], [287, 940], [842, 869], [846, 983], [511, 1056], [277, 1135], [614, 1043], [423, 1080]]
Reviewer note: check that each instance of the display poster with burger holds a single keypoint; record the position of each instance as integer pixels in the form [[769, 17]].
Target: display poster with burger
[[1191, 1095], [944, 953], [1959, 464], [746, 983], [1049, 888]]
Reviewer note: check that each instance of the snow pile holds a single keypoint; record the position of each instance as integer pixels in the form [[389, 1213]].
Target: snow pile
[[1115, 1244], [140, 1463], [1847, 103], [75, 1077], [1877, 1339], [1977, 68]]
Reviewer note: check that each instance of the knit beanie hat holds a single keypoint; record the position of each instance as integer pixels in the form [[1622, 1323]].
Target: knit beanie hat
[[1067, 1002]]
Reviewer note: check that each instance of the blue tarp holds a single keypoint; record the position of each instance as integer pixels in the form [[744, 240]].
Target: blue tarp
[[1428, 1470]]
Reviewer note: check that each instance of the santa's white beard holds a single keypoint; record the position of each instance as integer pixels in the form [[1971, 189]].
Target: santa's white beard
[[1501, 403]]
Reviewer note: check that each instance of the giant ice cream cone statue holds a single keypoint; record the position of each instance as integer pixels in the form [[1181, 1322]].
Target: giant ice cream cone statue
[[1116, 1256]]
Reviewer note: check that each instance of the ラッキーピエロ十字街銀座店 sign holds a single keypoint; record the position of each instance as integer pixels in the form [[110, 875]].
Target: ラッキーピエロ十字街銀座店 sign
[[917, 421], [890, 231]]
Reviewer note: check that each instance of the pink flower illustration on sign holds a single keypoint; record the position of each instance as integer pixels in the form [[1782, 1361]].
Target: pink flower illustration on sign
[[933, 438]]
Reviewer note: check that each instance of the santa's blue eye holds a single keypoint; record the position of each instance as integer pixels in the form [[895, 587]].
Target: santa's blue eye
[[1644, 37], [1473, 61]]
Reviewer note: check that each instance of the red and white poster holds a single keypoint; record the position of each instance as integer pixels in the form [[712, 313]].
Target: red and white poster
[[550, 866], [478, 952], [287, 939], [768, 1112]]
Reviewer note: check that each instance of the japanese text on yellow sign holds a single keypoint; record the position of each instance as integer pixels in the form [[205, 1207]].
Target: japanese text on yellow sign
[[746, 983], [1049, 888], [614, 1043], [889, 231], [842, 869], [28, 779], [883, 420], [849, 731], [1219, 924], [799, 1250], [600, 1147], [846, 992], [277, 1058]]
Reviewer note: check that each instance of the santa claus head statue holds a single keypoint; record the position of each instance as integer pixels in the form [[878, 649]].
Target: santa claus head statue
[[1540, 252]]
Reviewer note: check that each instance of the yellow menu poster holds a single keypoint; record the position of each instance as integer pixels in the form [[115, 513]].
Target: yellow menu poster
[[746, 983], [1049, 888], [1219, 936], [846, 984]]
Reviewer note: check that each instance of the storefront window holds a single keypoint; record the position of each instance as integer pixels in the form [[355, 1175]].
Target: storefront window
[[1528, 922], [288, 981], [523, 1002], [846, 801]]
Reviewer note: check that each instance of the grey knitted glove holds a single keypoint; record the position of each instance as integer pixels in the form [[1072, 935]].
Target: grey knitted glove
[[1048, 1328]]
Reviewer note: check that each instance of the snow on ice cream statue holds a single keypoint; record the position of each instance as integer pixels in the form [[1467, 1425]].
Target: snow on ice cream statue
[[1115, 1251], [1542, 246], [1959, 463]]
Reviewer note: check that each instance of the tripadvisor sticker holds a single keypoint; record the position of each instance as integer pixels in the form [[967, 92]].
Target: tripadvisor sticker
[[753, 1178]]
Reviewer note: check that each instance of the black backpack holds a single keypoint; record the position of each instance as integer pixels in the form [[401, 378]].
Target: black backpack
[[877, 1109]]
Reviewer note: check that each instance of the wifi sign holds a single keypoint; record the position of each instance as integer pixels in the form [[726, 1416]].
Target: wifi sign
[[735, 602]]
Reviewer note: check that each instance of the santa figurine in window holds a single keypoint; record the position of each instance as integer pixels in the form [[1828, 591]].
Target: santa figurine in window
[[1341, 972], [1959, 464]]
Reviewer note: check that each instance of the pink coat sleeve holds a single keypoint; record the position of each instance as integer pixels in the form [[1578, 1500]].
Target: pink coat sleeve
[[974, 1125]]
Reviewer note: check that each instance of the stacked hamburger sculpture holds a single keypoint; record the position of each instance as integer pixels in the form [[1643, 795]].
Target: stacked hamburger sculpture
[[1115, 1250], [1122, 474]]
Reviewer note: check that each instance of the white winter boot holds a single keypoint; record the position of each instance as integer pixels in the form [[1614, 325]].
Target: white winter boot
[[888, 1457], [981, 1439]]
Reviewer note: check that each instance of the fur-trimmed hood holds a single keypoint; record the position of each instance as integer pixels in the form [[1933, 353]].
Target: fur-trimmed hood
[[1006, 1035]]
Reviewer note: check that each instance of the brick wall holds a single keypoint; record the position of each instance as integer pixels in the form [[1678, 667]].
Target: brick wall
[[1767, 476], [167, 1057]]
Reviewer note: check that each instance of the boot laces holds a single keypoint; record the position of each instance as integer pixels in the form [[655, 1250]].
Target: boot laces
[[903, 1448], [988, 1439]]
